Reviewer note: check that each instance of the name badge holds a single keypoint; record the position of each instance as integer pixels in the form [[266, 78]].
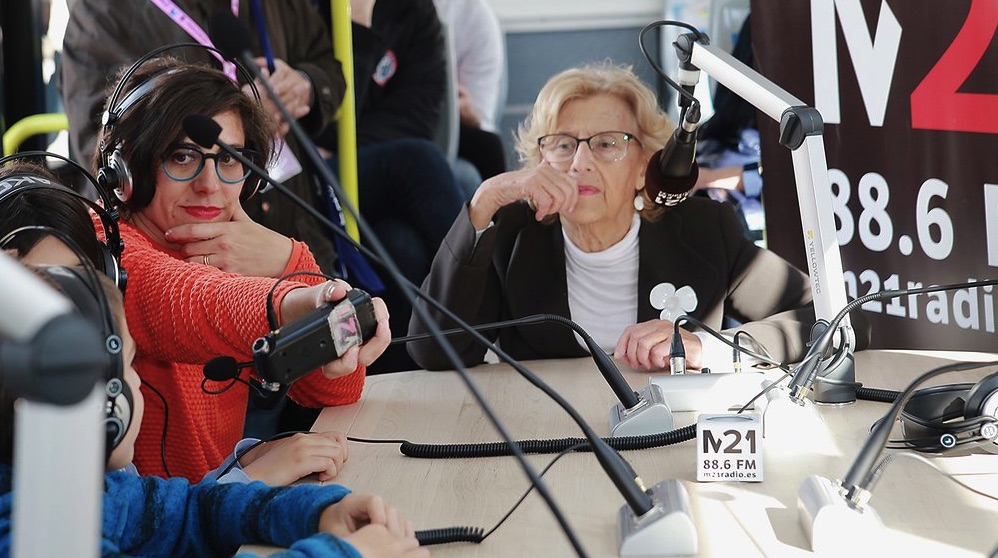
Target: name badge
[[729, 447]]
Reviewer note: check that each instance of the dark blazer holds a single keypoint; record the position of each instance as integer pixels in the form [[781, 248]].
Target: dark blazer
[[517, 269]]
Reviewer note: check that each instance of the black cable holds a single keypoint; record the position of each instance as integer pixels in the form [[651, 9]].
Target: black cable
[[166, 418], [271, 312], [476, 534], [694, 103], [877, 394], [497, 449], [763, 357]]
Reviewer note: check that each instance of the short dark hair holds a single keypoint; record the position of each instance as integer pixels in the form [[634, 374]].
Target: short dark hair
[[46, 207], [152, 123]]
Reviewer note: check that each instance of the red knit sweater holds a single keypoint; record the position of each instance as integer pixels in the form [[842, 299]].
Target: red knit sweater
[[182, 315]]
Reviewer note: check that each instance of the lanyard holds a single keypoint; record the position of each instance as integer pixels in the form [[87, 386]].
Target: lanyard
[[197, 33], [261, 31]]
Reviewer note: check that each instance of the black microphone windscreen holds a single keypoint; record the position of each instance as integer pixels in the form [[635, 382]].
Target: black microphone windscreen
[[229, 34], [221, 369], [202, 129], [668, 190]]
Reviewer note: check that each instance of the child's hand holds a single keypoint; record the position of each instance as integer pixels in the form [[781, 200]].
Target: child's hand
[[375, 541], [282, 462], [355, 511]]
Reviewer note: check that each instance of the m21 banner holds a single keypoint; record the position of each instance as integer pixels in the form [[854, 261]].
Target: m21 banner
[[908, 92]]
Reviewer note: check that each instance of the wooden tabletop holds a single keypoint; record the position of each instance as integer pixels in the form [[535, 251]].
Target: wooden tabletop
[[924, 513]]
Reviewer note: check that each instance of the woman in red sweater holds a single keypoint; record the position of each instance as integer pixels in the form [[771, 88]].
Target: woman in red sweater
[[200, 272]]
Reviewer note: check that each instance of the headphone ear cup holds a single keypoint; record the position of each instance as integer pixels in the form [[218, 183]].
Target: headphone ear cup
[[924, 417], [119, 411], [115, 177], [982, 399]]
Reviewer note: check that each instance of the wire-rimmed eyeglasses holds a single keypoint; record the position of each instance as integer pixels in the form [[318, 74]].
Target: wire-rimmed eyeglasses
[[606, 146], [184, 161]]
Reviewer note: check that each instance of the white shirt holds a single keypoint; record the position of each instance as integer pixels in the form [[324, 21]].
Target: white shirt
[[603, 287], [481, 53]]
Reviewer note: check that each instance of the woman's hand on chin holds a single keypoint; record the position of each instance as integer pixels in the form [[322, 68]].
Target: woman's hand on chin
[[241, 246], [547, 189]]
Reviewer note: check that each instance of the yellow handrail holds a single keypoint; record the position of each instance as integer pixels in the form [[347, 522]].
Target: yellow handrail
[[347, 116], [32, 125]]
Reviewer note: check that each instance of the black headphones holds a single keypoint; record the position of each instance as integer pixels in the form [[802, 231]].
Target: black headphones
[[952, 416], [111, 247], [82, 287], [113, 176]]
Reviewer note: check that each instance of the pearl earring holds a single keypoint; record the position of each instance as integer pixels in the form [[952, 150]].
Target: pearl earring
[[639, 202]]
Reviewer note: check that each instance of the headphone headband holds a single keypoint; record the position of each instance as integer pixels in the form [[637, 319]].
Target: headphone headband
[[19, 182], [114, 177]]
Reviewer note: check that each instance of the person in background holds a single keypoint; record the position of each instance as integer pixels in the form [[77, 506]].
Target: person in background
[[728, 151], [574, 233], [154, 517], [102, 37], [407, 190], [480, 50], [192, 300]]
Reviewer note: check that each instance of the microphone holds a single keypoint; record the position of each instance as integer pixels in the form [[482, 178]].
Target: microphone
[[677, 351], [672, 171], [265, 396], [223, 368], [638, 413], [232, 38], [829, 510], [49, 353]]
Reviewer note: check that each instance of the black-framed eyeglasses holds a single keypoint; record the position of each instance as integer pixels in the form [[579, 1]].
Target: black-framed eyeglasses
[[606, 146], [184, 161]]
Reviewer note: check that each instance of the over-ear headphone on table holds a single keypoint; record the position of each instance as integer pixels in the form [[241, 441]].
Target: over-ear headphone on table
[[113, 175], [112, 246], [82, 286], [952, 416]]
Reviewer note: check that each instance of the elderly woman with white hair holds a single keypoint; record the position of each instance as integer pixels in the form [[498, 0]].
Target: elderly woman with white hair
[[573, 233]]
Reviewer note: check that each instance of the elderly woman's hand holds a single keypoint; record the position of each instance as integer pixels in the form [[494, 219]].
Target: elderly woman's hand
[[240, 246], [299, 301], [547, 189], [647, 345]]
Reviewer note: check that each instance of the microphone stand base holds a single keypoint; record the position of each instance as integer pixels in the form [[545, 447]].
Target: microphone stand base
[[651, 416], [833, 525], [714, 393], [665, 530]]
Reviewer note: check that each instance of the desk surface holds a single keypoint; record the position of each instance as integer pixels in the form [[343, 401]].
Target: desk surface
[[923, 511]]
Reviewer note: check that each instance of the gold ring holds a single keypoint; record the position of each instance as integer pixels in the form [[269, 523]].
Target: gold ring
[[206, 262]]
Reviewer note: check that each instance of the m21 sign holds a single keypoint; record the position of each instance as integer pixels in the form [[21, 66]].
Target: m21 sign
[[908, 92]]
